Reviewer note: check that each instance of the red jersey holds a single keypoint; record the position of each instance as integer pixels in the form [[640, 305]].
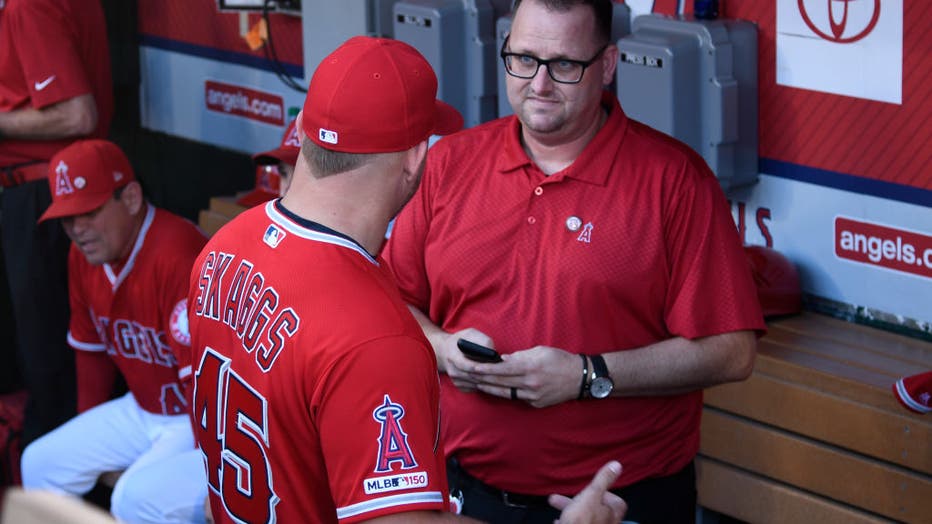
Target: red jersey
[[51, 51], [315, 390], [137, 313], [630, 245]]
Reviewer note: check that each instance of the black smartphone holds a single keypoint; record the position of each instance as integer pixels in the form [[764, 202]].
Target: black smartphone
[[477, 352]]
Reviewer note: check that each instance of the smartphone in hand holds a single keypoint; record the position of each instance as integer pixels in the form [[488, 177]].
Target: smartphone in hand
[[478, 352]]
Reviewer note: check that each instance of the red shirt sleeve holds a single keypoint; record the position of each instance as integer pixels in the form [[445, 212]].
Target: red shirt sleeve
[[96, 374], [174, 307], [48, 48], [82, 333], [703, 241], [378, 414]]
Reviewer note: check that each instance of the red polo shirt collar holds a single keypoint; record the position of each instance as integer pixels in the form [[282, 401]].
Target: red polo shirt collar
[[585, 168]]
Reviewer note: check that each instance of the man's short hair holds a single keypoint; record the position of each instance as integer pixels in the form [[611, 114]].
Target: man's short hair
[[602, 9], [325, 162]]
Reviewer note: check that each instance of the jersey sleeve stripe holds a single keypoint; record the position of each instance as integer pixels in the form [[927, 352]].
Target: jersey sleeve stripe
[[85, 346], [427, 497]]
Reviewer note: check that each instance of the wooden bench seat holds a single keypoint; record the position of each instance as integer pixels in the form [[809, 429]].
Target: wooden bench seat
[[816, 435]]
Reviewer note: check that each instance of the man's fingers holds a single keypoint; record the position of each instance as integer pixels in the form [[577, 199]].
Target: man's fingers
[[559, 501], [604, 479], [618, 506]]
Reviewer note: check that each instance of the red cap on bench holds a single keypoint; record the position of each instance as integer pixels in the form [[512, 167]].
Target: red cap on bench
[[776, 279], [915, 392]]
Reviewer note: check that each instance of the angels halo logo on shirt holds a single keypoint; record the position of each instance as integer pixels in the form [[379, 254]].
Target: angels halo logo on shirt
[[394, 450], [393, 441]]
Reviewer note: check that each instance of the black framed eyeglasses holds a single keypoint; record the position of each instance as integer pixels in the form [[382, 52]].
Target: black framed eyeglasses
[[561, 70]]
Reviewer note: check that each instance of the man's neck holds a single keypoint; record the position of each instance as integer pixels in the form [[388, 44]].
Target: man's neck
[[552, 154], [341, 205], [138, 220]]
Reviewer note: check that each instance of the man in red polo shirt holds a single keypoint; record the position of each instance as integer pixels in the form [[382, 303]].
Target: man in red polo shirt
[[55, 87], [599, 257]]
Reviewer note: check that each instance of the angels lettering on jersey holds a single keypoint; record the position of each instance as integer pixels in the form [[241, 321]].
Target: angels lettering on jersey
[[132, 340]]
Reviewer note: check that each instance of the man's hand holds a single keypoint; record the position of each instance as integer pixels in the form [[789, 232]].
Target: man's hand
[[541, 376], [595, 504], [456, 365]]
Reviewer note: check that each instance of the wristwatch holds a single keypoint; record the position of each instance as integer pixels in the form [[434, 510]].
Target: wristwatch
[[601, 385]]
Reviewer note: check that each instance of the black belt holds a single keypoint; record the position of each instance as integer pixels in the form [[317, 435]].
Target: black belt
[[15, 175], [460, 479]]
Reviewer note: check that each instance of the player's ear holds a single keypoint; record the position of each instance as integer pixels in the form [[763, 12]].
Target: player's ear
[[299, 125], [609, 63], [132, 197], [414, 160]]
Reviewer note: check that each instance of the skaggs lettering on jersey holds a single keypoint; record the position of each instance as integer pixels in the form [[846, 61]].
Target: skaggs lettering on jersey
[[246, 305]]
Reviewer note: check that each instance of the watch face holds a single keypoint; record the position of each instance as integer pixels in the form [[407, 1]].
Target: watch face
[[601, 387]]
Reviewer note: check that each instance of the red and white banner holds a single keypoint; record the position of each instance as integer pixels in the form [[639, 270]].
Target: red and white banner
[[244, 102], [883, 246]]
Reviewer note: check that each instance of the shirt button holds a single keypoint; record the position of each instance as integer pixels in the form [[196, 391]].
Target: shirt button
[[531, 220], [538, 191]]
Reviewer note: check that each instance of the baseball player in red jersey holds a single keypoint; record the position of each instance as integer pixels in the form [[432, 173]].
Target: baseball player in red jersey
[[316, 394], [55, 87], [128, 269]]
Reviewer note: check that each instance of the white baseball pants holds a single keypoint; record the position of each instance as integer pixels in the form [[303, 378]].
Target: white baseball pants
[[164, 481]]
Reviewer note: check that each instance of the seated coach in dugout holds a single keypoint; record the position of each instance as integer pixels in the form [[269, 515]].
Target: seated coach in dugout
[[127, 277]]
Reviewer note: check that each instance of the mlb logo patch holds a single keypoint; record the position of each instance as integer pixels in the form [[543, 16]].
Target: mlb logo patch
[[273, 236], [328, 136]]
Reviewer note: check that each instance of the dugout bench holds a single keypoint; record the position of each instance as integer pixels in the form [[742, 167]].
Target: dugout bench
[[816, 434]]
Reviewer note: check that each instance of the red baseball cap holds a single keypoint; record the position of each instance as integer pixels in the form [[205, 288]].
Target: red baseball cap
[[375, 95], [915, 392], [287, 152], [268, 182], [83, 176]]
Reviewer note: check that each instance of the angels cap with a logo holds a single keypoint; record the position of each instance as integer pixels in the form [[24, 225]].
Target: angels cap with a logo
[[375, 95], [287, 152], [83, 176], [268, 179]]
